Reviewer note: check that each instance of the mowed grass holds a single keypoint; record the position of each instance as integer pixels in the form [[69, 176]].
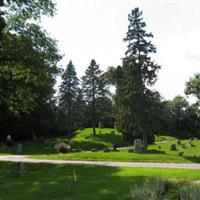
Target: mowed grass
[[62, 182], [159, 152], [85, 140], [106, 137]]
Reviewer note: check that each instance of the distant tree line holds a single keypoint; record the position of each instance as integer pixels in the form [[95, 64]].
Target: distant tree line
[[30, 107]]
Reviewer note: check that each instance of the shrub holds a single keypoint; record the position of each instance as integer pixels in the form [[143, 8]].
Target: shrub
[[63, 147], [190, 192], [179, 142], [152, 189], [180, 153]]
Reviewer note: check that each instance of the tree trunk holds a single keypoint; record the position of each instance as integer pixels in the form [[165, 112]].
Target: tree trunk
[[34, 136], [94, 129], [145, 142], [93, 110], [93, 118]]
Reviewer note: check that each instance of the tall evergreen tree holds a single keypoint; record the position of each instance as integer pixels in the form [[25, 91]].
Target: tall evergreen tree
[[134, 97], [93, 87], [68, 95]]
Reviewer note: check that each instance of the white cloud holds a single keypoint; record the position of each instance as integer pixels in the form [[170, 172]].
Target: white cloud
[[88, 29]]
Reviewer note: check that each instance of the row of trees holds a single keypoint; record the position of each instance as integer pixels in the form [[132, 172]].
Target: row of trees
[[28, 72], [83, 103]]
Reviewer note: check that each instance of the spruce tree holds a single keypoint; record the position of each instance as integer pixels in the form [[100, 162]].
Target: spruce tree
[[138, 74], [93, 87], [68, 95]]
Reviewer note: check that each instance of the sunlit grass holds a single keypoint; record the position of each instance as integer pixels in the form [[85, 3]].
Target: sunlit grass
[[51, 182]]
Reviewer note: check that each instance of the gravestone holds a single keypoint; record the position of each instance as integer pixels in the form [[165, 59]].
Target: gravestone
[[19, 148], [138, 146], [8, 138], [114, 147], [173, 147]]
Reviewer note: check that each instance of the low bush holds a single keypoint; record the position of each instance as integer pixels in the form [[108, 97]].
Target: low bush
[[62, 147], [152, 189], [190, 192]]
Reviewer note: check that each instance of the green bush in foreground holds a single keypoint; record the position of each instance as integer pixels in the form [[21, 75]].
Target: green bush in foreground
[[158, 189], [190, 192], [151, 189], [62, 147]]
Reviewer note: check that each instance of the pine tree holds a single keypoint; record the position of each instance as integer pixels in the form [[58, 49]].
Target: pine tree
[[68, 95], [138, 73], [93, 87]]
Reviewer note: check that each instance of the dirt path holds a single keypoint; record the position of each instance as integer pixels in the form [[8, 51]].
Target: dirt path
[[24, 158]]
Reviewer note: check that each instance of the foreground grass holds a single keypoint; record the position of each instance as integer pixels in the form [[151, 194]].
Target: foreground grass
[[55, 182]]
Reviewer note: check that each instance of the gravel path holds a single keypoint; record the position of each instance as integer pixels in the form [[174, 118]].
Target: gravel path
[[24, 158]]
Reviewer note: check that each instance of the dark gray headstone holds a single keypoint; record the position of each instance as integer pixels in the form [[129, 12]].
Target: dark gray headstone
[[19, 148], [173, 147], [138, 146]]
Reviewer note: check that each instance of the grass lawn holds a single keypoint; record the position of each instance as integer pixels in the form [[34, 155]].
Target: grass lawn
[[84, 139], [159, 152], [54, 182]]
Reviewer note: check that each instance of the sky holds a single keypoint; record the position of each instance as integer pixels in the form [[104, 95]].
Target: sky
[[94, 29]]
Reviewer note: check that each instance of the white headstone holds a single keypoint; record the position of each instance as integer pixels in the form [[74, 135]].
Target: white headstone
[[8, 137]]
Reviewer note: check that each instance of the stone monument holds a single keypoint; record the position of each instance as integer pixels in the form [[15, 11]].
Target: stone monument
[[138, 146]]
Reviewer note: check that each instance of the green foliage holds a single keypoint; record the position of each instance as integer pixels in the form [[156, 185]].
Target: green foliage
[[190, 192], [151, 189], [135, 101], [68, 96], [28, 69], [93, 88], [182, 118], [192, 86], [62, 147]]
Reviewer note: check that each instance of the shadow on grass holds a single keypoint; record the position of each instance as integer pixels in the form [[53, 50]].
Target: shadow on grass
[[38, 147], [154, 151], [88, 145], [50, 182], [194, 159], [113, 138]]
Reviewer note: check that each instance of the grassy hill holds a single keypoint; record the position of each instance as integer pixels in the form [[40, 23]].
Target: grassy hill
[[105, 137], [83, 139]]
